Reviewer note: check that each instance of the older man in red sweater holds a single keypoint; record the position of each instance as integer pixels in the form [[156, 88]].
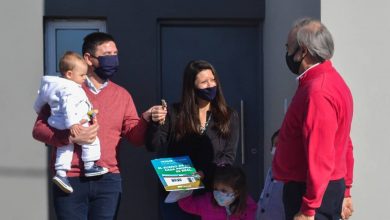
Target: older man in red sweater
[[314, 155]]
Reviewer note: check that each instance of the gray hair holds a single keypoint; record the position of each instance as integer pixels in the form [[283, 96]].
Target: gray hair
[[313, 35]]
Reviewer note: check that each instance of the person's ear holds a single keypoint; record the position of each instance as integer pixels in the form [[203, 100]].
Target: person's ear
[[68, 74], [88, 58], [304, 52]]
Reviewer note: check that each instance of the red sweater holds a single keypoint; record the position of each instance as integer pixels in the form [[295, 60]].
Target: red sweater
[[117, 118], [314, 144]]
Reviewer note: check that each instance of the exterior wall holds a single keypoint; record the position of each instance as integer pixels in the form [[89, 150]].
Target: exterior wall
[[22, 160], [361, 32], [279, 82]]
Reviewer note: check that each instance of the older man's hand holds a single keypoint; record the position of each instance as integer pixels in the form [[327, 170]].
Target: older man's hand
[[347, 210]]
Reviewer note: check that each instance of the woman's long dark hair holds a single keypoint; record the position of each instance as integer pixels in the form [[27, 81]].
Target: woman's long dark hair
[[235, 178], [188, 112]]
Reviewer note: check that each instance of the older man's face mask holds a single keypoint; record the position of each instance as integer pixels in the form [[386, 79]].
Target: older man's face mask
[[291, 63]]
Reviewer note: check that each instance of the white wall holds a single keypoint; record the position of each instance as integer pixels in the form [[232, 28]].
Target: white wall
[[361, 30], [23, 187]]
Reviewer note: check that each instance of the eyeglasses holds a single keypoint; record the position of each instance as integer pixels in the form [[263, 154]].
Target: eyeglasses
[[286, 45], [295, 50], [93, 56]]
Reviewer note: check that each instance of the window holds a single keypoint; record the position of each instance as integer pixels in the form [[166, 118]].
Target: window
[[63, 35]]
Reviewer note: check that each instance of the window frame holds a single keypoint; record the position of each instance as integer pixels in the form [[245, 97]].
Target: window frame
[[52, 25]]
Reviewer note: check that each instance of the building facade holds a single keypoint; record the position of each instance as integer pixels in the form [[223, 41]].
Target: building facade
[[245, 42]]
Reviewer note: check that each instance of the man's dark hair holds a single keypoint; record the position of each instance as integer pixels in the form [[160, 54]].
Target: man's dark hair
[[91, 41]]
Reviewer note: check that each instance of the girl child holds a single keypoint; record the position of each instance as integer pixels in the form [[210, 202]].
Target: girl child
[[229, 200], [270, 204]]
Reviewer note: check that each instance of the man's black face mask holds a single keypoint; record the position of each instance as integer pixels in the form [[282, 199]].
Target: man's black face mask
[[291, 63]]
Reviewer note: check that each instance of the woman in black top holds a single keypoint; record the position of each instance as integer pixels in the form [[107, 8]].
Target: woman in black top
[[201, 126]]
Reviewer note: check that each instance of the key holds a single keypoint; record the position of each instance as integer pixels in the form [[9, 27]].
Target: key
[[164, 106]]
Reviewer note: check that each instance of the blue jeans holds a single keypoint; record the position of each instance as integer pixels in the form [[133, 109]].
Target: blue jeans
[[92, 198]]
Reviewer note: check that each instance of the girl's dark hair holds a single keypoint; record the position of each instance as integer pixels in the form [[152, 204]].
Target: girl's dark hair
[[234, 177], [188, 111], [93, 40]]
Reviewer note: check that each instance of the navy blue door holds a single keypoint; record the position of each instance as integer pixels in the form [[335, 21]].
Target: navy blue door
[[234, 50]]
